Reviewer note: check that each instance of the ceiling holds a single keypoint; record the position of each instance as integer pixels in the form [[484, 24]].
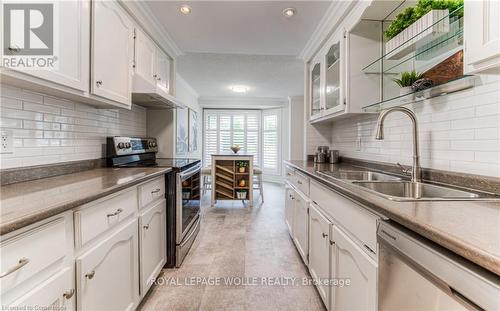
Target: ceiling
[[268, 76], [240, 27]]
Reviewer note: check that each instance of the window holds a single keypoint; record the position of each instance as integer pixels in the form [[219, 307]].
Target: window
[[224, 128]]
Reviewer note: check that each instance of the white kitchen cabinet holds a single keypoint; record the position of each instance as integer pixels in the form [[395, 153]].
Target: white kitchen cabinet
[[350, 262], [163, 70], [152, 243], [289, 208], [482, 36], [56, 293], [315, 83], [301, 225], [108, 273], [144, 57], [319, 250], [112, 52], [334, 68]]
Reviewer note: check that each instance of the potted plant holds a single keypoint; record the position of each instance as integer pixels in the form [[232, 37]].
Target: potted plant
[[241, 165], [241, 194], [406, 81], [420, 24]]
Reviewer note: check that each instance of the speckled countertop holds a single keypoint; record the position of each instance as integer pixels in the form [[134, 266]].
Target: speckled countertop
[[468, 228], [25, 203]]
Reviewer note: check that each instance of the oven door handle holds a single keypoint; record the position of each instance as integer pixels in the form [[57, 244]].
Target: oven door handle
[[190, 172]]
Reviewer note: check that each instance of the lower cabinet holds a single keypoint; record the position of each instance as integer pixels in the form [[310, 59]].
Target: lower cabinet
[[350, 262], [56, 293], [319, 251], [301, 225], [153, 244], [289, 210], [108, 274]]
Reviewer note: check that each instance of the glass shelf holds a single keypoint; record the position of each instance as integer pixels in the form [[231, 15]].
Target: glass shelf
[[452, 86], [423, 49]]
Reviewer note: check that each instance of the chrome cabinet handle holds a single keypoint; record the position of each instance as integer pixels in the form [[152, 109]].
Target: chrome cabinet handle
[[146, 227], [299, 182], [332, 243], [155, 191], [155, 76], [14, 49], [118, 211], [69, 293], [98, 83], [325, 235], [21, 263], [159, 79], [90, 275]]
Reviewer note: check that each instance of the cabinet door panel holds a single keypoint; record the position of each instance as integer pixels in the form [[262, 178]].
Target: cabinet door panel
[[152, 230], [289, 200], [107, 275], [112, 44], [145, 57], [72, 50], [56, 293], [315, 90], [319, 250], [163, 70], [301, 226], [351, 263]]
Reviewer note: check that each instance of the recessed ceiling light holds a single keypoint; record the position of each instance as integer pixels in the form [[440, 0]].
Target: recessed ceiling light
[[289, 12], [239, 89], [185, 9]]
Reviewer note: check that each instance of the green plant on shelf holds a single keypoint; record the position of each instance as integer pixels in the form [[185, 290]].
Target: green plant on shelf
[[241, 164], [411, 14], [408, 78]]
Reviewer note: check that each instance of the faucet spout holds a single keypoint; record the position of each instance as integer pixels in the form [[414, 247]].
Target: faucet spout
[[379, 135]]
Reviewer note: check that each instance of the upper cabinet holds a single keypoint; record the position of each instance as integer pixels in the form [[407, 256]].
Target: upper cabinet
[[482, 36], [112, 52], [151, 65], [334, 60], [71, 49], [315, 86]]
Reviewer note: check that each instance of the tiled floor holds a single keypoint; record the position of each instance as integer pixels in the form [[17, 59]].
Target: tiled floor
[[236, 243]]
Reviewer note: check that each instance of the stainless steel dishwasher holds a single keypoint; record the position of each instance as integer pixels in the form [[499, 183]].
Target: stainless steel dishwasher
[[417, 274]]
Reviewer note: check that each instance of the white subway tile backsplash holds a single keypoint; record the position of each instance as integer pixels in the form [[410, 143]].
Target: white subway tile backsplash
[[49, 130], [458, 132]]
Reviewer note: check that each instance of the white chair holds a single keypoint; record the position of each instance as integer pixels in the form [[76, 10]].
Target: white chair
[[257, 176], [206, 174]]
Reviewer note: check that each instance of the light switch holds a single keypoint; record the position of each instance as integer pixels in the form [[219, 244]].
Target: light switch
[[7, 142]]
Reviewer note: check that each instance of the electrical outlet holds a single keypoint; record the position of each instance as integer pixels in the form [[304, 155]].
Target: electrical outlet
[[7, 142], [358, 144]]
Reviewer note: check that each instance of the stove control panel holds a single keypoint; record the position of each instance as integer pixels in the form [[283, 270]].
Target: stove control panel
[[121, 145]]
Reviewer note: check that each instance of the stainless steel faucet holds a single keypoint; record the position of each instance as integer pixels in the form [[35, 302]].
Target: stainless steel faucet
[[416, 174]]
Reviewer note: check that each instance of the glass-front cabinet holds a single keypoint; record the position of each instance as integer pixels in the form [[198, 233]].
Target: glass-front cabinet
[[315, 90], [334, 94]]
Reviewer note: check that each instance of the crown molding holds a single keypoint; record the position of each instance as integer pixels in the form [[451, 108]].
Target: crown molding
[[242, 102], [335, 13], [143, 16]]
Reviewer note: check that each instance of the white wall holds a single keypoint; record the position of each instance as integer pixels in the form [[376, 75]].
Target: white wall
[[458, 132], [296, 124], [49, 130], [187, 95]]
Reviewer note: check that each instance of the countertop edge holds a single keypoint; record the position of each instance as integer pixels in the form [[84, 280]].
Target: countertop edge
[[40, 215], [466, 250]]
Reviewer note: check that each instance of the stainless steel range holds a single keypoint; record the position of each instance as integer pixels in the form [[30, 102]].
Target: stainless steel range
[[182, 189]]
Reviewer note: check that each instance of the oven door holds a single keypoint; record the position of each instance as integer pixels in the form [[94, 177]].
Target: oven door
[[187, 201]]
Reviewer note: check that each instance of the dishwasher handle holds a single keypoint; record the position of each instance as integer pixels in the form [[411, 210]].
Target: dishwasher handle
[[463, 280]]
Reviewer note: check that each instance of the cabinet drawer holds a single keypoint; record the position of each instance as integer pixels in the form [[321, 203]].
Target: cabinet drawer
[[102, 215], [302, 182], [31, 252], [350, 216], [151, 191], [289, 173]]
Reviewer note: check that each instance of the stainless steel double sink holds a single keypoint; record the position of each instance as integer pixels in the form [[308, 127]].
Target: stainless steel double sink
[[397, 189]]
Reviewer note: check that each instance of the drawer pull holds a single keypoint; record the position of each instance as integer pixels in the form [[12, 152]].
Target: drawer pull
[[146, 227], [90, 275], [69, 293], [325, 235], [332, 242], [118, 211], [299, 182], [288, 174], [155, 191], [21, 263]]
